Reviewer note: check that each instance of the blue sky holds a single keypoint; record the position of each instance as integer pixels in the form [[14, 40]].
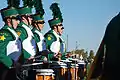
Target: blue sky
[[85, 21]]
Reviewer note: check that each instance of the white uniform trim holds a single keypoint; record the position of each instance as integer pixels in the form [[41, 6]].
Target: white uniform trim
[[41, 44], [29, 43], [14, 47], [63, 46], [55, 46]]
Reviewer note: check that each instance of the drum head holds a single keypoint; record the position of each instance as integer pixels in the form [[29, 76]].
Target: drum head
[[45, 70]]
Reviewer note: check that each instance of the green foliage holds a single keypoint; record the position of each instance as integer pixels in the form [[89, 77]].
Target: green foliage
[[84, 53], [56, 11], [87, 57], [91, 56], [13, 3]]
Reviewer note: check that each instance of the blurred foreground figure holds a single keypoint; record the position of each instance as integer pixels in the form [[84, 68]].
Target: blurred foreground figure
[[106, 63]]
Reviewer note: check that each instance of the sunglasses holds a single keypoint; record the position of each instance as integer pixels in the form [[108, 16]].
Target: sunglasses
[[59, 25], [41, 22], [29, 16], [16, 18], [62, 28]]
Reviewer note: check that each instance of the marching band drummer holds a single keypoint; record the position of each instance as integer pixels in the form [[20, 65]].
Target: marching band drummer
[[38, 24], [24, 31], [52, 37], [10, 44]]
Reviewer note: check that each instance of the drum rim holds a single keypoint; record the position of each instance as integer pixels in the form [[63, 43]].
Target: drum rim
[[44, 70], [59, 63], [46, 74]]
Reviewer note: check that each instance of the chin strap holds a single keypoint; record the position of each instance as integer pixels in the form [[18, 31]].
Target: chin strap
[[11, 22]]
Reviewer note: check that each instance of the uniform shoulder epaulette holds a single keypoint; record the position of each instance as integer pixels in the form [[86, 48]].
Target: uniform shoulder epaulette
[[50, 36], [21, 30], [5, 35]]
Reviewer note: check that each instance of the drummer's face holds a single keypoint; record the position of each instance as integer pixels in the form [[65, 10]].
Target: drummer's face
[[60, 28], [40, 24]]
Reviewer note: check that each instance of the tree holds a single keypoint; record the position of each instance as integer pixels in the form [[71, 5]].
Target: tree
[[85, 55], [91, 56]]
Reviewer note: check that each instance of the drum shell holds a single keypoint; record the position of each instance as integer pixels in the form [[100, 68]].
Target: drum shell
[[81, 70], [74, 71], [60, 70], [44, 74]]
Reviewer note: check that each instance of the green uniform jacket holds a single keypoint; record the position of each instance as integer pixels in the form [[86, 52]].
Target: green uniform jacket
[[5, 37], [36, 36], [23, 34], [39, 38], [50, 38]]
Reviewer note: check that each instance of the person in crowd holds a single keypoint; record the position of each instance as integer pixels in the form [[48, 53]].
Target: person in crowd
[[24, 31], [38, 24], [10, 44], [52, 37]]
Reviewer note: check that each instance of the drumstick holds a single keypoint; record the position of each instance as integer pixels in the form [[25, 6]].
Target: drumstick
[[26, 65], [37, 56]]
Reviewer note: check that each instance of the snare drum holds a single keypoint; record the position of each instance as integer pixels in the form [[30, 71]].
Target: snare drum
[[33, 65], [67, 71], [74, 71], [44, 74], [81, 70], [63, 70], [29, 70], [60, 69]]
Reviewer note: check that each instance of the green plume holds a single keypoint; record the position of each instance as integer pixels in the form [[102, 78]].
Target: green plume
[[13, 3], [39, 7], [28, 3], [56, 11]]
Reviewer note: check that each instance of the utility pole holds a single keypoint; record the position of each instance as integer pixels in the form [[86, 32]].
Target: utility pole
[[76, 45], [67, 43]]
